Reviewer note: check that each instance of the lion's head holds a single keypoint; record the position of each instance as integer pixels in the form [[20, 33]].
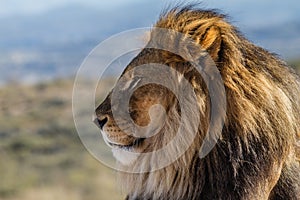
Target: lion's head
[[262, 121], [152, 106]]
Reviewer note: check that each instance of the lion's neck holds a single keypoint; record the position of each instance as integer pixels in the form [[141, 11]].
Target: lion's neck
[[172, 182]]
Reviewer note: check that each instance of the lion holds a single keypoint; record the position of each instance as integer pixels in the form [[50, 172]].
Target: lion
[[256, 155]]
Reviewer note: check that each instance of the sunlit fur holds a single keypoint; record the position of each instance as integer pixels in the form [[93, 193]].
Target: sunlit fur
[[255, 158]]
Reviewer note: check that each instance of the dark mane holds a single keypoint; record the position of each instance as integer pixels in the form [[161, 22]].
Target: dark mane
[[255, 157]]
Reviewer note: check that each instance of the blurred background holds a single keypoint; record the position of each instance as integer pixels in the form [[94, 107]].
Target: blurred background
[[42, 45]]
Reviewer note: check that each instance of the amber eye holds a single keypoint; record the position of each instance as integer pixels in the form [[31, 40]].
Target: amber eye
[[131, 83], [134, 82]]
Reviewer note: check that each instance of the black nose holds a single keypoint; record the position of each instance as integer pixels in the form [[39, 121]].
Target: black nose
[[100, 121]]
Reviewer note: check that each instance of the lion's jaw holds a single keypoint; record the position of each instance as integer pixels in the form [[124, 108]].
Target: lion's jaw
[[124, 154]]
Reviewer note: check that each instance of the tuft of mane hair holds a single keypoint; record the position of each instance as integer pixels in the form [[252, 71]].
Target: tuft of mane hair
[[255, 158]]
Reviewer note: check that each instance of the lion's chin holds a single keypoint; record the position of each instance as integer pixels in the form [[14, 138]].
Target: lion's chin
[[125, 157], [125, 154]]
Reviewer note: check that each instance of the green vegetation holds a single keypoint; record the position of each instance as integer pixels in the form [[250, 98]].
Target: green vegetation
[[41, 156]]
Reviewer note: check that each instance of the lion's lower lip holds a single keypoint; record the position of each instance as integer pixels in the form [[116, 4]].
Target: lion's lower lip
[[136, 143], [125, 147]]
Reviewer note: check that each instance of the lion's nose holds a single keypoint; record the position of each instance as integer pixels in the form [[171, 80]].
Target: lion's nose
[[100, 121]]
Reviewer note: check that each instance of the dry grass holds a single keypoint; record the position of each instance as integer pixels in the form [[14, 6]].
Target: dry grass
[[41, 156]]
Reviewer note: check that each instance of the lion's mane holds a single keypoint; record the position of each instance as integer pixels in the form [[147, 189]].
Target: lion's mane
[[255, 158]]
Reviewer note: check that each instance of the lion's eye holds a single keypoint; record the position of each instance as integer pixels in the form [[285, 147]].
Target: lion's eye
[[132, 83]]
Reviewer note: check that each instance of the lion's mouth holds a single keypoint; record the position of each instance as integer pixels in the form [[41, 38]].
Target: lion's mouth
[[129, 147]]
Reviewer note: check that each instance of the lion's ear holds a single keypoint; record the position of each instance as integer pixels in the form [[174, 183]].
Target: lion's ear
[[211, 41]]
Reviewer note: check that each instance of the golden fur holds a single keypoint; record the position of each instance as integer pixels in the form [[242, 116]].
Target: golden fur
[[255, 158]]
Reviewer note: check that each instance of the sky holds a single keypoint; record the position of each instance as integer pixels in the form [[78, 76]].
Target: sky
[[249, 15], [17, 7], [261, 11]]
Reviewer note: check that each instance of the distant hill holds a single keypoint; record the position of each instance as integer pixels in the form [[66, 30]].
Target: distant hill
[[283, 39], [53, 44]]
